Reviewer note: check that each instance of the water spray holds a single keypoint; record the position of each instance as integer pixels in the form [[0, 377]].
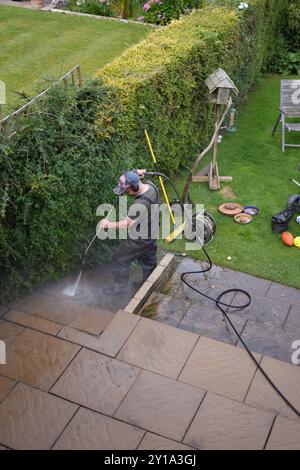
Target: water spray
[[71, 291]]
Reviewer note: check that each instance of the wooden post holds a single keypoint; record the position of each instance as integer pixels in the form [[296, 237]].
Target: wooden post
[[79, 75], [214, 182], [215, 147], [192, 177]]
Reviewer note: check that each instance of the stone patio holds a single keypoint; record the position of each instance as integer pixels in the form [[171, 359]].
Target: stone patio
[[84, 377], [269, 325]]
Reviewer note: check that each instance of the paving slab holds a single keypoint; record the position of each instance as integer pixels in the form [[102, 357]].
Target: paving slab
[[3, 310], [32, 419], [6, 385], [9, 332], [270, 341], [93, 320], [170, 310], [223, 424], [268, 311], [279, 291], [210, 322], [160, 405], [286, 377], [211, 291], [81, 338], [50, 308], [252, 284], [158, 347], [285, 435], [224, 278], [117, 332], [96, 381], [31, 321], [93, 431], [293, 320], [220, 368], [38, 359], [154, 442]]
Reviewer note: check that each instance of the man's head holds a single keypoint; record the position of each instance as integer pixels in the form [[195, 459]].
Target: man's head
[[128, 183]]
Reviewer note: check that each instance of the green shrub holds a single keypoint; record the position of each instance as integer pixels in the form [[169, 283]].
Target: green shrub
[[287, 45], [293, 26], [288, 63], [55, 173]]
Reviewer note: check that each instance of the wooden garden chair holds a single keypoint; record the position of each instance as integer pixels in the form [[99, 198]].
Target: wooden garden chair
[[289, 109]]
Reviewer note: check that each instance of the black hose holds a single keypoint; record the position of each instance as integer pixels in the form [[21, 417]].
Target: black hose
[[240, 307], [155, 173], [221, 304]]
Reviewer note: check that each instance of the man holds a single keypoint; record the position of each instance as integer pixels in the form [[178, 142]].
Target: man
[[142, 224]]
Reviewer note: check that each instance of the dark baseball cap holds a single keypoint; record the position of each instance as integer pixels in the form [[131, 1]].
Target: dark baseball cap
[[131, 178]]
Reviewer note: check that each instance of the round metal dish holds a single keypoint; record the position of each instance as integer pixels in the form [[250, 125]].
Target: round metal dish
[[251, 210], [243, 218], [231, 209]]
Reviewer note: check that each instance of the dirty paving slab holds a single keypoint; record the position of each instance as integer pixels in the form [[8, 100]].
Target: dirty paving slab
[[270, 325]]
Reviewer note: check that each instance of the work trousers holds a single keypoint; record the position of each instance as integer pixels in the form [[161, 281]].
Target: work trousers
[[130, 251]]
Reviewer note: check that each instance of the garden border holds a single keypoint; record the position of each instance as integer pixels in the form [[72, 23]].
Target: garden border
[[155, 281], [98, 17]]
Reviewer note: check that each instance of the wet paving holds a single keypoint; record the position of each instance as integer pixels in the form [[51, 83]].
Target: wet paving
[[79, 376], [90, 290], [270, 325]]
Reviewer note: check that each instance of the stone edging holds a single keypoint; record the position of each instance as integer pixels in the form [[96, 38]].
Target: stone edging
[[156, 280], [98, 17]]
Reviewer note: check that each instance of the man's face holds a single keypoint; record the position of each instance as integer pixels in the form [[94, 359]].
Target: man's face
[[130, 192]]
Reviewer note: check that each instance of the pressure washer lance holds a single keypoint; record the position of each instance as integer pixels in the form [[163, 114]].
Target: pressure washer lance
[[72, 291]]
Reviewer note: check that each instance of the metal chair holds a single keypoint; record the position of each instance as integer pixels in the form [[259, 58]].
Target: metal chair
[[289, 109]]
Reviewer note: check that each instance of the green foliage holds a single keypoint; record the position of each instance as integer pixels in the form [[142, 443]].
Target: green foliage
[[164, 11], [287, 57], [122, 8], [46, 217], [92, 7], [293, 23], [290, 63], [55, 173]]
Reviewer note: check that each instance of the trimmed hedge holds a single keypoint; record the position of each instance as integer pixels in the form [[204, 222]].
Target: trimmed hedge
[[160, 81], [55, 173]]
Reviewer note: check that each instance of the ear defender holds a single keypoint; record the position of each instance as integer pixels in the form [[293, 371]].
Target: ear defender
[[133, 180]]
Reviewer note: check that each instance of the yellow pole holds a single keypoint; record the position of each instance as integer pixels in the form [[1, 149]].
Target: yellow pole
[[160, 178]]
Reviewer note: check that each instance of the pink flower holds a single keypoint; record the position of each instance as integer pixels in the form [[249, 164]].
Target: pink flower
[[146, 7], [140, 18]]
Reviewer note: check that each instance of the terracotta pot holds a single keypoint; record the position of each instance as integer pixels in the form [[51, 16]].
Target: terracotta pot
[[38, 4]]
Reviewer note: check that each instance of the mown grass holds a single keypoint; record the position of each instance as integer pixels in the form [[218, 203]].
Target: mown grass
[[261, 176], [37, 46]]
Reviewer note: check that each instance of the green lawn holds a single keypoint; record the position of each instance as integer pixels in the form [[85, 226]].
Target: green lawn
[[38, 45], [261, 175]]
